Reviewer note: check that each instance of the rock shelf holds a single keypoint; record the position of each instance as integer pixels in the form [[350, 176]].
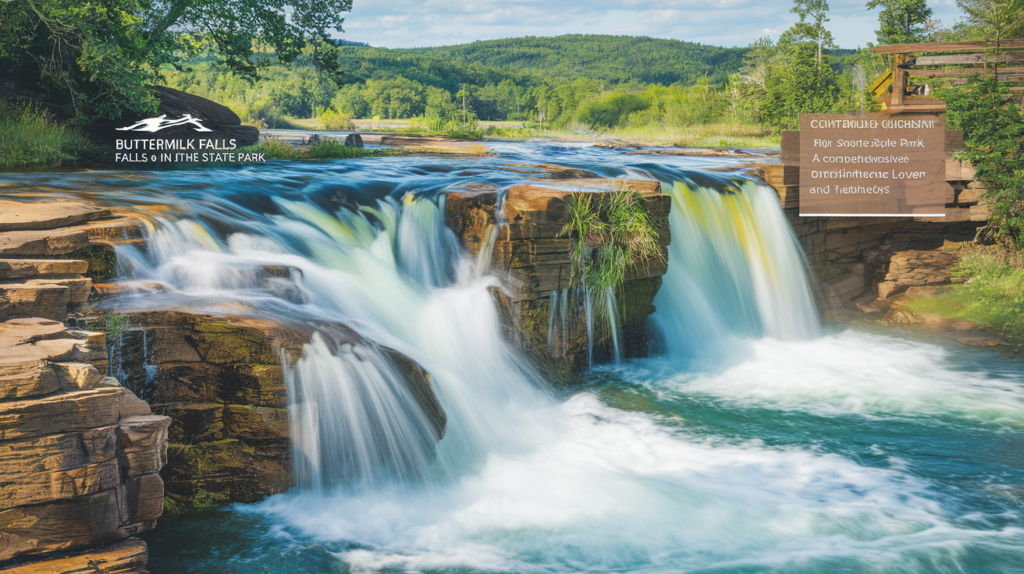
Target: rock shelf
[[80, 455]]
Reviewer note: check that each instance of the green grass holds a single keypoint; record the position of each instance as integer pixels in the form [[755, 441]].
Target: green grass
[[31, 139], [274, 148], [991, 296]]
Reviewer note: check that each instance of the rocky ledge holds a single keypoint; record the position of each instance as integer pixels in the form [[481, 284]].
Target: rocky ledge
[[221, 381], [528, 251], [79, 454]]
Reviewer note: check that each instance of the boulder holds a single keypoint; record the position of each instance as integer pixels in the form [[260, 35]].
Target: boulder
[[219, 119], [76, 376], [177, 103], [917, 268], [32, 345]]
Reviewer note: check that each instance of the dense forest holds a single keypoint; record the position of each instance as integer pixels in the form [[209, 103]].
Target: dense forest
[[516, 79], [592, 81], [610, 59]]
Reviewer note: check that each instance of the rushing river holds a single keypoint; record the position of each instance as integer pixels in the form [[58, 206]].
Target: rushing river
[[757, 441]]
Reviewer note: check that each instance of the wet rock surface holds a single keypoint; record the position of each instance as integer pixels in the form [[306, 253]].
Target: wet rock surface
[[221, 381]]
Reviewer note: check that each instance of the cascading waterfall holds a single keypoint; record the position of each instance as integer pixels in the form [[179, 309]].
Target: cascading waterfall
[[613, 323], [523, 482], [391, 272], [588, 311], [553, 311], [735, 271], [353, 420]]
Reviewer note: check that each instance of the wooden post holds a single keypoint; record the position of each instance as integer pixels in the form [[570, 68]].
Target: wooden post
[[899, 80]]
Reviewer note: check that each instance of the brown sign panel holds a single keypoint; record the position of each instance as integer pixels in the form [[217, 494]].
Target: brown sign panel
[[872, 165]]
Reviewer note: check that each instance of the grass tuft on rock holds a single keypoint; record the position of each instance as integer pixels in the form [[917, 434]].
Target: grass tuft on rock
[[612, 233]]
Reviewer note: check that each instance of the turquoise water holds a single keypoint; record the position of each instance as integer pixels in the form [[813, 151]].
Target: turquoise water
[[758, 441], [716, 478]]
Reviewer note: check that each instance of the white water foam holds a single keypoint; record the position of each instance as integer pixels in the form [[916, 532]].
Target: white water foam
[[849, 373], [523, 483], [606, 490]]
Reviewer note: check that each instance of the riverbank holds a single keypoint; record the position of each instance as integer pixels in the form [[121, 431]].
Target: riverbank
[[718, 135], [988, 293]]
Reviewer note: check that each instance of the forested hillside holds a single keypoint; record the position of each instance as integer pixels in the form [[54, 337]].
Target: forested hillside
[[611, 59], [540, 79]]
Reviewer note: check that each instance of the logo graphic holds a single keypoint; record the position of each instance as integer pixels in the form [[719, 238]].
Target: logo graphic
[[160, 123]]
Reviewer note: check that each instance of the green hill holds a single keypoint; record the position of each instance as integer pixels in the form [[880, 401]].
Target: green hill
[[614, 59], [609, 59]]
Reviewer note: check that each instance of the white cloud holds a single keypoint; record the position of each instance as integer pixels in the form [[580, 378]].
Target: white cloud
[[414, 23]]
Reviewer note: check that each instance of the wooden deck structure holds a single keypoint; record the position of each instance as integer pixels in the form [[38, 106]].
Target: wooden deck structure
[[956, 60]]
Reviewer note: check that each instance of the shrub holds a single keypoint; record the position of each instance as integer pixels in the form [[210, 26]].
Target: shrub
[[335, 121], [993, 125], [611, 109], [31, 138], [991, 296]]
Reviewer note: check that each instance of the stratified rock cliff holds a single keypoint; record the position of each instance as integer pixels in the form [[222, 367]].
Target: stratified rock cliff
[[79, 454], [533, 258], [221, 381]]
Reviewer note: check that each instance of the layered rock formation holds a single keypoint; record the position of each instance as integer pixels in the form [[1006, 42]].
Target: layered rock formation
[[850, 256], [528, 251], [79, 454]]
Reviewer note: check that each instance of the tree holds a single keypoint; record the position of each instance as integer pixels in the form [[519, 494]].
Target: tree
[[993, 125], [811, 26], [101, 57], [901, 21], [997, 19]]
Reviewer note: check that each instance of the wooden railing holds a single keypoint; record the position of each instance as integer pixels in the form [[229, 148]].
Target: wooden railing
[[920, 61]]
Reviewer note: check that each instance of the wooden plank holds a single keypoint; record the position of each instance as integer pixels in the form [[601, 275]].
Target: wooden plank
[[923, 109], [946, 47], [961, 59], [790, 146], [922, 101], [962, 72]]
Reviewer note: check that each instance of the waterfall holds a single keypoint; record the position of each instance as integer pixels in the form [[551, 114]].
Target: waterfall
[[353, 420], [552, 322], [613, 323], [394, 273], [735, 271], [588, 310]]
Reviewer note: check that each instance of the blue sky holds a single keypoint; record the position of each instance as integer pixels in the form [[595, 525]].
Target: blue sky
[[414, 23]]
